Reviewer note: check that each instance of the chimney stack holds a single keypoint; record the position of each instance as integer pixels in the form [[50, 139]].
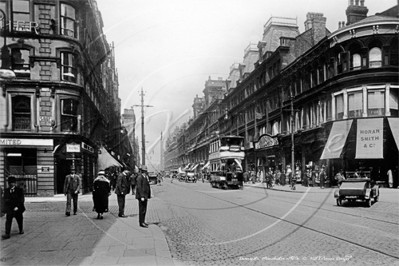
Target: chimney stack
[[317, 23], [356, 11]]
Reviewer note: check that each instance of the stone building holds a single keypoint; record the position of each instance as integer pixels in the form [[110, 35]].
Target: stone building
[[63, 104], [317, 98]]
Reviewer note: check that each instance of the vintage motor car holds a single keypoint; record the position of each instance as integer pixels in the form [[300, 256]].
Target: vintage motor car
[[153, 178], [353, 189], [191, 176]]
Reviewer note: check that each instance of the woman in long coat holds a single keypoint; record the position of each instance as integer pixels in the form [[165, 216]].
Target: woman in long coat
[[101, 191]]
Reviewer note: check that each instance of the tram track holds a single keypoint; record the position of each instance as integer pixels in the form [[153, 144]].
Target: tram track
[[303, 225]]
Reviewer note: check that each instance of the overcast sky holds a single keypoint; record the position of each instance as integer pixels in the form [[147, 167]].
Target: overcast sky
[[170, 48]]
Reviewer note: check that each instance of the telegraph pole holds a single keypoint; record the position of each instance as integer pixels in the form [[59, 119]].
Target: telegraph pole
[[161, 167], [142, 126]]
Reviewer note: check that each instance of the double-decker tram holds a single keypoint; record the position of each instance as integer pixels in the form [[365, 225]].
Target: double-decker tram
[[225, 156]]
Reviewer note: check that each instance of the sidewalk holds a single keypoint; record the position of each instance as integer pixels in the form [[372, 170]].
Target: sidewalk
[[51, 238]]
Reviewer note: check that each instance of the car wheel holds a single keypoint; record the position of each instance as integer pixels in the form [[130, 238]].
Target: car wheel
[[339, 202]]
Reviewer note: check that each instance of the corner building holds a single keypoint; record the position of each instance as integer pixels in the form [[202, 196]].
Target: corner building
[[63, 104]]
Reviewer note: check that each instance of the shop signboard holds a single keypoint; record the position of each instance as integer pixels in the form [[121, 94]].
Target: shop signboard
[[73, 147]]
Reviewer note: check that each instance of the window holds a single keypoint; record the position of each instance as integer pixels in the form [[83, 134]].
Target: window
[[375, 57], [356, 62], [393, 102], [339, 103], [21, 14], [355, 108], [21, 113], [20, 62], [69, 115], [394, 54], [68, 21], [68, 67], [375, 101]]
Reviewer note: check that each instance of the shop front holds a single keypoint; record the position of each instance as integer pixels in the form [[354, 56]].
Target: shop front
[[31, 162], [368, 146]]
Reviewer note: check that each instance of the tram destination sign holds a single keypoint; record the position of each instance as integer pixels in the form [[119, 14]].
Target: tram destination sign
[[73, 147]]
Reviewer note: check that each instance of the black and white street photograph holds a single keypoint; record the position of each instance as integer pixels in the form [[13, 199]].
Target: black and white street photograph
[[199, 132]]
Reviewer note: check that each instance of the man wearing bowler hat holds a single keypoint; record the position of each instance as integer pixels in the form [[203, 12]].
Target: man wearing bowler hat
[[143, 193], [14, 206], [72, 187]]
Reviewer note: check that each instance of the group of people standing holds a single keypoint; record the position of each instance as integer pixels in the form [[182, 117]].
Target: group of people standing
[[125, 181], [278, 177]]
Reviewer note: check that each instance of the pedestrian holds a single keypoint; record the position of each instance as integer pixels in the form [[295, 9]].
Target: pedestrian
[[245, 175], [13, 206], [121, 190], [143, 193], [323, 176], [282, 178], [1, 202], [390, 178], [72, 187], [278, 177], [340, 177], [101, 192], [133, 180]]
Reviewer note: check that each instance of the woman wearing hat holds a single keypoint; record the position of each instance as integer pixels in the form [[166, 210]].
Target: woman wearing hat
[[101, 191]]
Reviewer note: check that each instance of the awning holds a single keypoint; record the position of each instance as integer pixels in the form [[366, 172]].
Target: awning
[[394, 124], [187, 166], [106, 160], [369, 139], [192, 169], [336, 140], [180, 170], [206, 165], [238, 163]]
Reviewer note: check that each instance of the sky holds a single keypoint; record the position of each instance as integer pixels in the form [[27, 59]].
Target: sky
[[169, 48]]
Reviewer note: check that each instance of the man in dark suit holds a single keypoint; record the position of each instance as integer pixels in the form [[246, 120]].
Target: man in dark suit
[[143, 193], [121, 190], [72, 187], [14, 206]]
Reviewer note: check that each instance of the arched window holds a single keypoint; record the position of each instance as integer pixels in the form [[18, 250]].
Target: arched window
[[356, 61], [375, 57]]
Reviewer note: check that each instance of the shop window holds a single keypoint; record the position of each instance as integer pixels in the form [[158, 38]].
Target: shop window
[[356, 62], [339, 106], [375, 57], [21, 14], [20, 62], [393, 102], [69, 115], [355, 104], [376, 102], [68, 21], [21, 113], [22, 163], [68, 67]]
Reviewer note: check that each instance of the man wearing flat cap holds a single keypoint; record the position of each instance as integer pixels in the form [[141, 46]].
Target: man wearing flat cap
[[143, 193], [14, 206], [121, 190]]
